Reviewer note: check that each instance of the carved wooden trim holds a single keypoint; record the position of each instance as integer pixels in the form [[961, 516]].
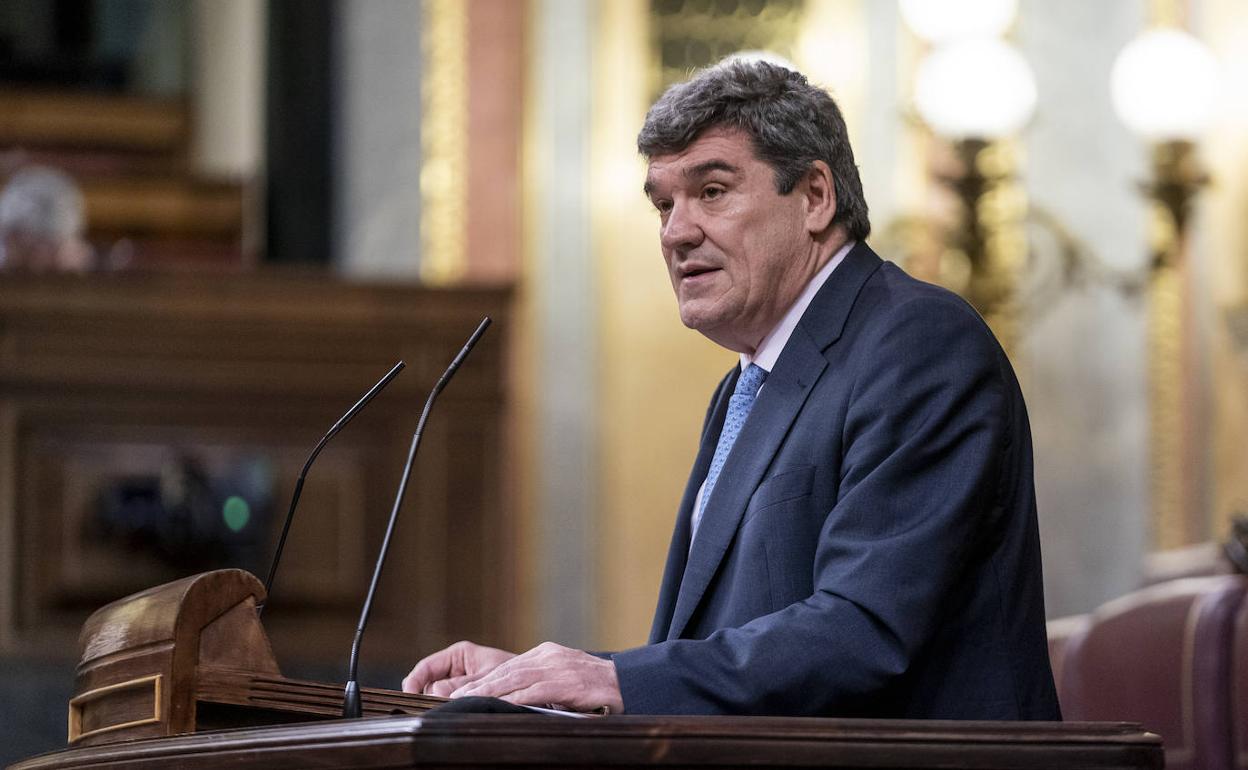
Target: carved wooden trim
[[79, 703]]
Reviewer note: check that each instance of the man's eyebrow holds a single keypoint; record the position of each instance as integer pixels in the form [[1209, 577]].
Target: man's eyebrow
[[702, 169]]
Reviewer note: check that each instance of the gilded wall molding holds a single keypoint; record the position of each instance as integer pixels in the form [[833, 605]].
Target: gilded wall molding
[[443, 139], [1165, 380]]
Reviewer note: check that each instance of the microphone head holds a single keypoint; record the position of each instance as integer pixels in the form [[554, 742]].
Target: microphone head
[[467, 348]]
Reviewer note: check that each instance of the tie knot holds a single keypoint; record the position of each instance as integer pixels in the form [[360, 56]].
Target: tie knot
[[750, 381]]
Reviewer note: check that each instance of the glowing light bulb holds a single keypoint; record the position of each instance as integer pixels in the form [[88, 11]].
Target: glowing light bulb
[[975, 89], [940, 21], [1165, 85]]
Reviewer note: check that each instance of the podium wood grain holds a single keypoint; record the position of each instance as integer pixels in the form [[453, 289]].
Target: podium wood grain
[[505, 740]]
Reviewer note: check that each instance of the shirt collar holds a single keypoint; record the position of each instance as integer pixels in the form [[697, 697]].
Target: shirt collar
[[769, 349]]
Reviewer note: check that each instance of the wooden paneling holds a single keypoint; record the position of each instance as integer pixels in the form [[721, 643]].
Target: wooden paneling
[[103, 121], [116, 378], [163, 206]]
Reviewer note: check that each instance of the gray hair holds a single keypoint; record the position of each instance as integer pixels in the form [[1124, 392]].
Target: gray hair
[[790, 122], [41, 202]]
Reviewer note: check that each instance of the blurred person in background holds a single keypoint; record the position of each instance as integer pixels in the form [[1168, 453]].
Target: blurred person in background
[[42, 220]]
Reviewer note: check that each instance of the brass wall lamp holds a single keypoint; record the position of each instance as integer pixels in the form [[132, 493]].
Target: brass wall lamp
[[1165, 86], [975, 91]]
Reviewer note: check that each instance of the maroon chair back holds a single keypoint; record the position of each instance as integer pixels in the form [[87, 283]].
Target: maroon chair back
[[1061, 631], [1239, 689], [1161, 656]]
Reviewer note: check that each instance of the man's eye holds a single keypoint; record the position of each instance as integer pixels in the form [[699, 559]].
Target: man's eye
[[663, 206], [713, 192]]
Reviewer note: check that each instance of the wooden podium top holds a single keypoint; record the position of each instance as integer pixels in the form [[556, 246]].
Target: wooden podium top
[[162, 670], [506, 740]]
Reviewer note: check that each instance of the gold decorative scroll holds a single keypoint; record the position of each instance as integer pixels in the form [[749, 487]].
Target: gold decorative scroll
[[443, 139]]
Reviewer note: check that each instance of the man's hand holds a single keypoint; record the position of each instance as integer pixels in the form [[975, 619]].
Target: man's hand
[[551, 674], [461, 663]]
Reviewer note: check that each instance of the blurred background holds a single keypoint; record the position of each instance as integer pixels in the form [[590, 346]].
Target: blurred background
[[222, 220]]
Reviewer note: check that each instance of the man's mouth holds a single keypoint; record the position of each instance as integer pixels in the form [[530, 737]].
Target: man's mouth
[[688, 273]]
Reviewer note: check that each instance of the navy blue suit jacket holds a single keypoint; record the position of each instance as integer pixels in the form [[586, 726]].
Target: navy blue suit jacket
[[871, 547]]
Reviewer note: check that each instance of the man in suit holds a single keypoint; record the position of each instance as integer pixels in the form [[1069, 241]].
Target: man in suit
[[858, 536]]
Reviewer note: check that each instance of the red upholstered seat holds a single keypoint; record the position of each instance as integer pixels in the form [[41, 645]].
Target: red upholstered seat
[[1061, 631], [1239, 689], [1161, 656]]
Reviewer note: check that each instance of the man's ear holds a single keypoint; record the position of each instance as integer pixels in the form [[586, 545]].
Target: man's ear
[[820, 194]]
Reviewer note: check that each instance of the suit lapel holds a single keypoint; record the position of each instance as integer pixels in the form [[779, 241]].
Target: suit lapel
[[825, 319], [781, 399], [786, 389], [678, 551]]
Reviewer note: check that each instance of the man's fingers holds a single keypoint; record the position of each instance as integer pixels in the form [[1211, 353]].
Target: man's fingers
[[532, 669], [507, 677], [493, 685], [444, 663], [444, 687], [551, 674], [430, 669], [462, 659]]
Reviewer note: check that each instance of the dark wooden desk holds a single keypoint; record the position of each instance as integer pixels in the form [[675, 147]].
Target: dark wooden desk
[[504, 740]]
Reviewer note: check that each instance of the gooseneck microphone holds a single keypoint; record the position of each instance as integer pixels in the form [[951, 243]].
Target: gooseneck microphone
[[351, 697], [294, 499]]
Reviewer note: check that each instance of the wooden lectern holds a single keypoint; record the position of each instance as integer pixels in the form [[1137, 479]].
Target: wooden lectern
[[190, 656], [165, 672]]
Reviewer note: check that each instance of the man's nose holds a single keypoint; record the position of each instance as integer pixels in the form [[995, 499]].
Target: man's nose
[[682, 230]]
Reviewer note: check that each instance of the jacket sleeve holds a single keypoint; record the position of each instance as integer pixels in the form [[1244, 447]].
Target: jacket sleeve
[[926, 425]]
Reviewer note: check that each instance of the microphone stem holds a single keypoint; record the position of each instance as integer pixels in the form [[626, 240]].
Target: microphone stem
[[351, 697], [290, 516], [394, 516], [294, 499]]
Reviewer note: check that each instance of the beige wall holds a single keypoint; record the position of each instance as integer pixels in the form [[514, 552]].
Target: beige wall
[[1222, 241], [655, 375]]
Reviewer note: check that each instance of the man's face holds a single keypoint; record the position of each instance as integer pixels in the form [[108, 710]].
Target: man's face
[[738, 253]]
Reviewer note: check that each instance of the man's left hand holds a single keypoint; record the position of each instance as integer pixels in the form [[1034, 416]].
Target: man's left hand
[[552, 674]]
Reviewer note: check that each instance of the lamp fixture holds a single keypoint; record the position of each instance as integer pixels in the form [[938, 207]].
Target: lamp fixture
[[975, 88], [1165, 89], [1164, 85], [940, 21]]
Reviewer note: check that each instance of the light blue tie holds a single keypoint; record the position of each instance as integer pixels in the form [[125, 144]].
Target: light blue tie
[[739, 406]]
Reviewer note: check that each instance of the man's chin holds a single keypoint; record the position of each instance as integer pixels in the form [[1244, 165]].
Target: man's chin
[[697, 319], [715, 330]]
